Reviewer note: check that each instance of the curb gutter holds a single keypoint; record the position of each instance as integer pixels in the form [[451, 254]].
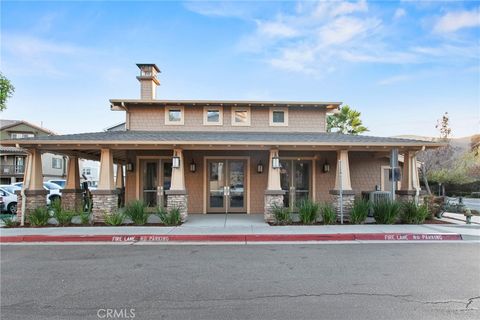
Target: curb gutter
[[245, 238]]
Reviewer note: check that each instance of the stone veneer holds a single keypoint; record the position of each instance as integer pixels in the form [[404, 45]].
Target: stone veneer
[[178, 199], [33, 199], [348, 199], [104, 202], [273, 198], [72, 199]]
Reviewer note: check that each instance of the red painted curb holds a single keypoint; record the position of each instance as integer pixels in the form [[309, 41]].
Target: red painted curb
[[235, 237]]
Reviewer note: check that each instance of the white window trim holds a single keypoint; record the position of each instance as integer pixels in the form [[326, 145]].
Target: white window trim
[[249, 116], [205, 116], [285, 118], [174, 123]]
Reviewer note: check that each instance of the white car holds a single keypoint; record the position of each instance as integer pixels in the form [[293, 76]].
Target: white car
[[52, 188], [60, 182], [7, 192]]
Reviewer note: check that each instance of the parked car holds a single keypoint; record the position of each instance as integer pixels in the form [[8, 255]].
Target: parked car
[[53, 191], [60, 182], [9, 198]]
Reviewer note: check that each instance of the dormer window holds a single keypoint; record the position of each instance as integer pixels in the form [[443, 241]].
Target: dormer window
[[213, 116], [278, 117], [240, 116], [174, 115]]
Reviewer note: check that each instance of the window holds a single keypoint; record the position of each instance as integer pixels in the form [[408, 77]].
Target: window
[[213, 116], [240, 116], [20, 135], [174, 115], [278, 117], [57, 163]]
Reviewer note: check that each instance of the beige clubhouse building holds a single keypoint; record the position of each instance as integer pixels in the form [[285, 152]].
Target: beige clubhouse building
[[221, 156]]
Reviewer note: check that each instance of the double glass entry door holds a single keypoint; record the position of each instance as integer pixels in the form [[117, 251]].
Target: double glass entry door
[[295, 179], [226, 186], [156, 178]]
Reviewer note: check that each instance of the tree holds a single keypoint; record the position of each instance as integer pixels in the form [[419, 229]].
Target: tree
[[443, 125], [6, 91], [347, 121], [437, 162]]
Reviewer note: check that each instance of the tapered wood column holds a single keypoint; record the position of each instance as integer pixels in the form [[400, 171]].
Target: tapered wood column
[[72, 194], [105, 198], [274, 193], [410, 183], [342, 178], [177, 197]]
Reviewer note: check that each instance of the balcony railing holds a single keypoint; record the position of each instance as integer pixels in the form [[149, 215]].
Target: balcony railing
[[8, 169]]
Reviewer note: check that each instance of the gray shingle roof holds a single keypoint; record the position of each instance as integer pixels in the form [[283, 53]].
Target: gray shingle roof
[[218, 136]]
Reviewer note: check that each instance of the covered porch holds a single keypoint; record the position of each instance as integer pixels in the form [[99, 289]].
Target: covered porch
[[235, 173]]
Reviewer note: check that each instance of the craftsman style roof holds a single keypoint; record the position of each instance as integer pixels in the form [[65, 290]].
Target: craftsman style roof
[[211, 138], [6, 124], [117, 104]]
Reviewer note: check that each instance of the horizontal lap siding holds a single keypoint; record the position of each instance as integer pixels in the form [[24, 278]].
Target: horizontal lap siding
[[300, 119]]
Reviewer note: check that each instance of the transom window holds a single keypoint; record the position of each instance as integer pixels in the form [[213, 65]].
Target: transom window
[[240, 116], [278, 117], [213, 116], [20, 135], [174, 115]]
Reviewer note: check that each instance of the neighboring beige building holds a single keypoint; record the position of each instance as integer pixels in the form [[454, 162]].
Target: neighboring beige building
[[12, 161], [221, 156]]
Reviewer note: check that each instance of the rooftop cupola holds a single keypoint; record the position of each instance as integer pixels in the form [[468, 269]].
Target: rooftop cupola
[[148, 80]]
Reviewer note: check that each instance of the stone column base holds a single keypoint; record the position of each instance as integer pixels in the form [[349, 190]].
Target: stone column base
[[72, 199], [409, 195], [178, 199], [273, 198], [33, 199], [104, 202], [348, 199]]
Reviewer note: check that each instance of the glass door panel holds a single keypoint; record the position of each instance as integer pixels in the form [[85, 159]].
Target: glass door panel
[[295, 180], [301, 181], [166, 182], [236, 172], [150, 183], [216, 184]]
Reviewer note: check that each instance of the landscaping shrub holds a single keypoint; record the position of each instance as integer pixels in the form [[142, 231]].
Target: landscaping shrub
[[282, 215], [411, 213], [63, 217], [329, 215], [359, 211], [308, 211], [172, 218], [39, 217], [135, 210], [114, 219], [10, 222], [85, 217], [386, 212]]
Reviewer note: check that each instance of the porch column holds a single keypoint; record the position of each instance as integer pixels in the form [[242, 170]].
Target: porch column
[[342, 178], [274, 193], [105, 198], [32, 195], [177, 197], [120, 185], [72, 194], [410, 181]]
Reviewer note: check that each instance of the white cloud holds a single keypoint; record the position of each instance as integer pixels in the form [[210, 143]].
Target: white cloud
[[399, 13], [454, 21], [275, 29]]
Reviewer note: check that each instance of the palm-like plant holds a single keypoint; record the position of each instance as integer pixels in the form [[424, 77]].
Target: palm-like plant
[[347, 121]]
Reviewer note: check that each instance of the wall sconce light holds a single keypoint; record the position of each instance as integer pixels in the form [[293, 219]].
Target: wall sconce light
[[129, 166], [326, 167], [276, 162], [193, 166], [175, 162], [260, 167]]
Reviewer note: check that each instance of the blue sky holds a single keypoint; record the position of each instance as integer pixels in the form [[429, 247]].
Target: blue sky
[[401, 63]]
